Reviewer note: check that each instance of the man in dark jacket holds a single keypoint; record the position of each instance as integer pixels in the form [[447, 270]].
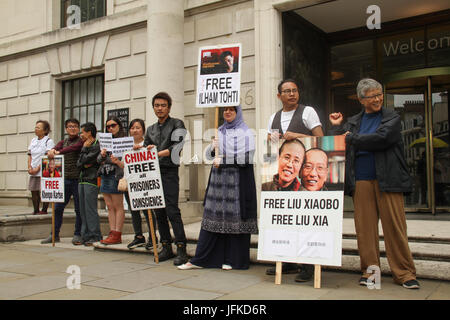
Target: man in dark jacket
[[167, 135], [87, 187], [376, 175]]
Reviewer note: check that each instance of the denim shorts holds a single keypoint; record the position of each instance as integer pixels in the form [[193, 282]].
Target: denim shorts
[[109, 184]]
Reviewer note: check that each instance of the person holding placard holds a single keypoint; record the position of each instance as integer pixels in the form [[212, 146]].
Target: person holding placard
[[294, 120], [229, 216], [87, 186], [38, 147], [376, 175], [111, 171], [70, 147], [137, 131], [167, 135]]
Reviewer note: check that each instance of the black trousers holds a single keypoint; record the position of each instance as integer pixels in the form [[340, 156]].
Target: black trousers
[[171, 187]]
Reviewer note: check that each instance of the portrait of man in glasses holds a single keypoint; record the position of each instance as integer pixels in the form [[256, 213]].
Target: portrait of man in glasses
[[314, 171]]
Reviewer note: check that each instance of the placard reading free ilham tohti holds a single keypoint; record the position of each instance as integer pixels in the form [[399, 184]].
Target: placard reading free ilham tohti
[[219, 76]]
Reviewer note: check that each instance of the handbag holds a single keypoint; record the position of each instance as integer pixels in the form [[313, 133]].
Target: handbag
[[122, 185]]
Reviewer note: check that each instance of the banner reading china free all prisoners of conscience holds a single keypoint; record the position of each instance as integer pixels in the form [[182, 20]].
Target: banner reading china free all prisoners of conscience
[[219, 76], [52, 179], [143, 176], [302, 202]]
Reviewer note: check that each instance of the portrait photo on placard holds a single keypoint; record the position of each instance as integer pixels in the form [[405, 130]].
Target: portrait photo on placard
[[51, 168], [219, 60], [305, 164]]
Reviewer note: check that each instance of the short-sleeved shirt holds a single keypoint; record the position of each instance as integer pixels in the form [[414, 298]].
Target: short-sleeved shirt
[[38, 148], [310, 119]]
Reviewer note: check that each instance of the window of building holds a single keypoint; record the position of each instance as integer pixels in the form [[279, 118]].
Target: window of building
[[88, 9], [83, 99]]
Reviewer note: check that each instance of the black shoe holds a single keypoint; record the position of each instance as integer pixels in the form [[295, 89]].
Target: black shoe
[[411, 284], [306, 273], [182, 257], [287, 268], [363, 281], [149, 244], [137, 242], [49, 240], [90, 242], [166, 252]]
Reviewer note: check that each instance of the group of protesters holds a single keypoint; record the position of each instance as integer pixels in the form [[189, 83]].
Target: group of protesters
[[376, 177]]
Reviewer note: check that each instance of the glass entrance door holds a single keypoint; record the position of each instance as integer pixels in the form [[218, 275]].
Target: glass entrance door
[[440, 87], [422, 102]]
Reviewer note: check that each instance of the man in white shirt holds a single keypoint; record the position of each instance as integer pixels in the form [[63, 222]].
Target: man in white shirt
[[310, 124], [293, 121]]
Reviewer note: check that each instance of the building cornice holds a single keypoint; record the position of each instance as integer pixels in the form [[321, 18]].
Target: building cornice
[[124, 21]]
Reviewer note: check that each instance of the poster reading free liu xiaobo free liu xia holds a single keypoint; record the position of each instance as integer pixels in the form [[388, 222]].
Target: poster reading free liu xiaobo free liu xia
[[302, 202]]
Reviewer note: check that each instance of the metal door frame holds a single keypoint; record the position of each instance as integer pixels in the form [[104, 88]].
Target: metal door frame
[[428, 73]]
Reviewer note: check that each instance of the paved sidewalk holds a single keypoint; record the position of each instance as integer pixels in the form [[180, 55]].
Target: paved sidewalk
[[32, 271]]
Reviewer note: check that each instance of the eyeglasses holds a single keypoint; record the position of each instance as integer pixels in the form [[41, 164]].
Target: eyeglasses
[[162, 105], [295, 162], [111, 125], [289, 91], [72, 127], [307, 167], [374, 96]]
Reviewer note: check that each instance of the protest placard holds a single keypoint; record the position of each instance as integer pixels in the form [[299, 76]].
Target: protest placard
[[219, 76], [302, 202], [120, 145], [105, 140], [117, 146], [52, 179], [143, 176]]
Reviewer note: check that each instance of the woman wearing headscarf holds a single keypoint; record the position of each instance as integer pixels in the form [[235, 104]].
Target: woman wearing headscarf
[[229, 216]]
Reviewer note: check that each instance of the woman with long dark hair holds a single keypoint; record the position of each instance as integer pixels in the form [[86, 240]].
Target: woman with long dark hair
[[111, 171]]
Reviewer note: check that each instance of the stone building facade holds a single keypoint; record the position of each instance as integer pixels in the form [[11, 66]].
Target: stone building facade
[[136, 48]]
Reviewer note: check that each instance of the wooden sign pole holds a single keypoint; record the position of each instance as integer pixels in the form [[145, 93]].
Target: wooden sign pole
[[278, 272], [152, 234], [53, 224], [317, 276], [216, 126]]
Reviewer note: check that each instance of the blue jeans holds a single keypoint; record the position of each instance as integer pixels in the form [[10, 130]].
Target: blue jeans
[[90, 221], [70, 189]]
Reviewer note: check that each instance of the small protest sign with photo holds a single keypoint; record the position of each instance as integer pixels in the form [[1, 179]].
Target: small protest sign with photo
[[143, 176], [52, 179], [219, 76]]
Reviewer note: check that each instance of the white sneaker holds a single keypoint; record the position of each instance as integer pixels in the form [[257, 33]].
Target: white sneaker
[[188, 266], [226, 267]]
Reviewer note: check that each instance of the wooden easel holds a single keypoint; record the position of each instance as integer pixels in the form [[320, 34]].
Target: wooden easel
[[317, 274], [152, 234]]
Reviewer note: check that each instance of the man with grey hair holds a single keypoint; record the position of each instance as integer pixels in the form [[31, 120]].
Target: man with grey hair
[[376, 176]]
